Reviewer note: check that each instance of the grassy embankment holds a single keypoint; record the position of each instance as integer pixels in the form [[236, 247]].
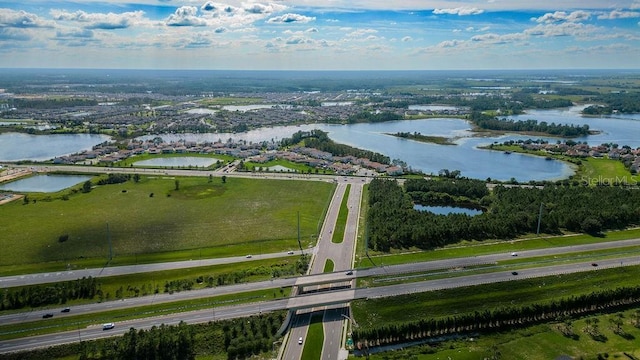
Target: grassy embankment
[[591, 170], [341, 222], [159, 219], [328, 266], [442, 304]]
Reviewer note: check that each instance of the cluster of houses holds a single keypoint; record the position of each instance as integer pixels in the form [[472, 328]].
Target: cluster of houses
[[255, 152], [629, 156]]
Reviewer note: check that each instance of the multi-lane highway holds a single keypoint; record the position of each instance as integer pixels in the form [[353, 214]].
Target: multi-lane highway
[[311, 301]]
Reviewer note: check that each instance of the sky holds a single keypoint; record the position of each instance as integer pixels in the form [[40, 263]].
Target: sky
[[320, 34]]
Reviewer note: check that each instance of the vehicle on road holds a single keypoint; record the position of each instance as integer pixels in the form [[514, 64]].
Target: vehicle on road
[[249, 256], [514, 254], [65, 309], [290, 252], [47, 315], [514, 273], [108, 326], [594, 264], [350, 272], [300, 341]]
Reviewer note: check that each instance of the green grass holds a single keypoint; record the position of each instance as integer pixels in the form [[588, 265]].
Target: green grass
[[341, 222], [399, 309], [315, 338], [467, 248], [328, 266], [538, 342], [241, 216], [605, 170], [131, 161], [68, 323]]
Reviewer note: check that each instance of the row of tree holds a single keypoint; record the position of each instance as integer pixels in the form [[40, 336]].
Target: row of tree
[[510, 211], [48, 294], [496, 320], [493, 123], [319, 139], [625, 103]]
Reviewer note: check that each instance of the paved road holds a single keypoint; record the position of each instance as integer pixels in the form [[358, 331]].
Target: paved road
[[292, 348], [310, 301], [49, 277], [334, 277]]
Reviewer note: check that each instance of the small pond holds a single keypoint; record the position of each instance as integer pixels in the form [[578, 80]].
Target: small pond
[[180, 161], [44, 183], [446, 210]]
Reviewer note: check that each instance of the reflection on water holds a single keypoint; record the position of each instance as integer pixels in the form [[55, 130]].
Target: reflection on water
[[446, 210], [44, 183]]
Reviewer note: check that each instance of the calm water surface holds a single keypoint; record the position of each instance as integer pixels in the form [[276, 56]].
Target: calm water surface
[[44, 183], [446, 210], [17, 146], [429, 158]]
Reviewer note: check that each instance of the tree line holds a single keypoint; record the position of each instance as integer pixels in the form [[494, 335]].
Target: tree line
[[500, 319], [49, 294], [625, 103], [508, 212], [487, 122], [234, 339], [318, 139]]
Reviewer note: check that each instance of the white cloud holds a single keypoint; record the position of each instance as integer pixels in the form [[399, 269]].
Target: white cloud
[[561, 16], [563, 29], [407, 39], [290, 18], [185, 16], [461, 11], [256, 8], [108, 21], [361, 32], [619, 14], [21, 19]]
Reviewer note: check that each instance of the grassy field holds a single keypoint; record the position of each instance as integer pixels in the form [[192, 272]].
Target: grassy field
[[162, 218], [328, 266]]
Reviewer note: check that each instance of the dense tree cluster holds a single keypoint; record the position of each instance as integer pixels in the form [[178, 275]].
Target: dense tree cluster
[[374, 117], [497, 320], [625, 103], [493, 123], [48, 294], [511, 211], [57, 103], [114, 179], [319, 139]]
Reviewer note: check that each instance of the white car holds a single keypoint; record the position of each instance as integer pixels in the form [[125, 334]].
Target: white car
[[300, 341], [248, 256], [514, 254], [108, 326], [290, 252]]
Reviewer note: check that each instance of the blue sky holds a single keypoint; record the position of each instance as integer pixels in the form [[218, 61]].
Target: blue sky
[[335, 35]]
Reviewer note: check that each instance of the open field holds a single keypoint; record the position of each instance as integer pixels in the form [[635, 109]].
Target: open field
[[149, 220]]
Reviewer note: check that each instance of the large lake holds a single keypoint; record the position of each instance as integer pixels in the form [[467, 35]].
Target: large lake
[[429, 158], [17, 146]]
